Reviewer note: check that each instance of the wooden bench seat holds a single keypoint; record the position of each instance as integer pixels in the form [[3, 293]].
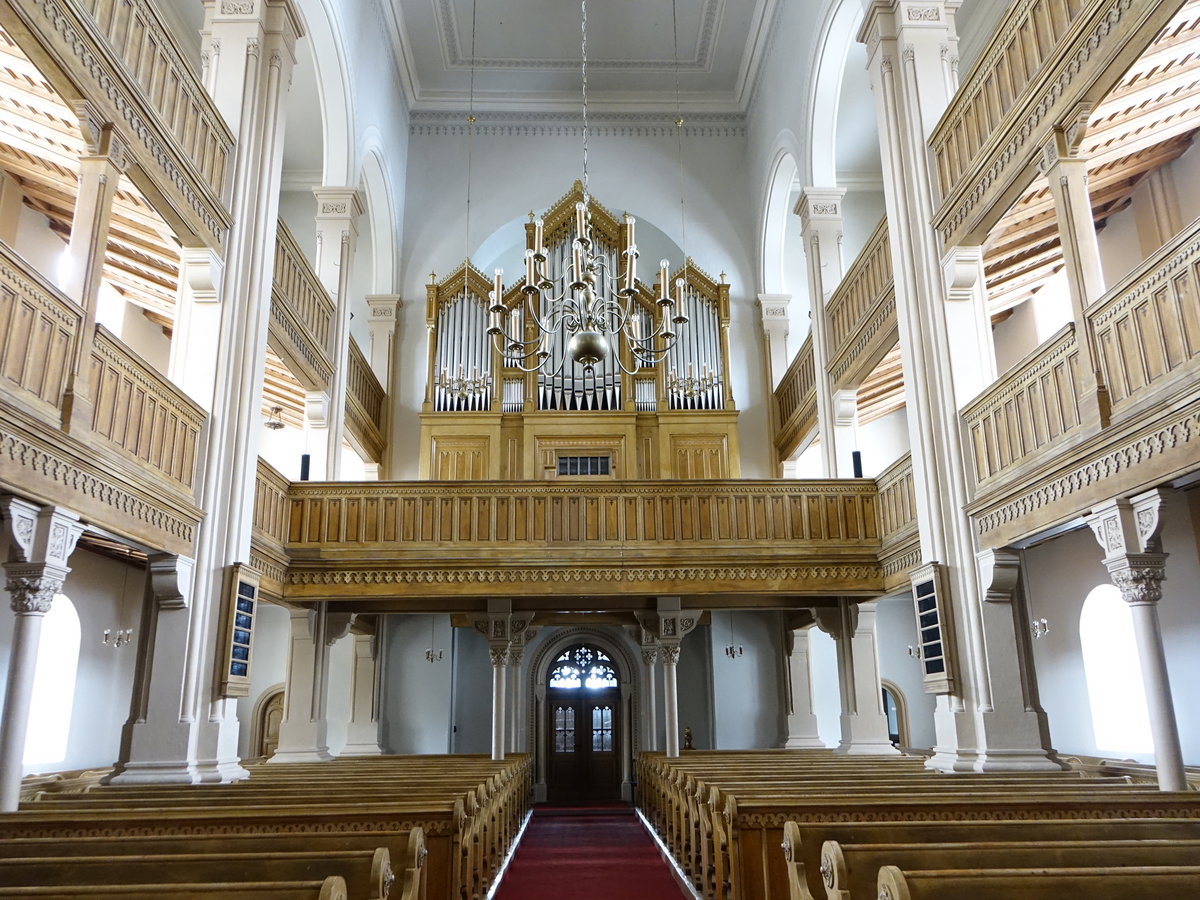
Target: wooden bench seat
[[850, 871], [331, 888], [1111, 883]]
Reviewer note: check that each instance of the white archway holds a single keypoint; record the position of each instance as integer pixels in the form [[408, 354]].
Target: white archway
[[613, 642], [323, 29], [836, 34], [782, 184]]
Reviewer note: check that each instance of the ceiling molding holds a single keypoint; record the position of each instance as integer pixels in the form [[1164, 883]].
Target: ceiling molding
[[760, 40], [570, 124], [406, 66], [701, 60]]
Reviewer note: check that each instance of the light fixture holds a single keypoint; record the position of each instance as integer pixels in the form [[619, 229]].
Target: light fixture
[[431, 654], [1039, 627], [274, 420], [460, 387], [732, 650], [117, 639], [590, 303], [691, 385]]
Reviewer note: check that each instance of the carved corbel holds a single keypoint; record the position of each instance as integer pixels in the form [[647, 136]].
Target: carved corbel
[[830, 620], [337, 626], [171, 580], [41, 540], [99, 136], [999, 571], [1128, 532]]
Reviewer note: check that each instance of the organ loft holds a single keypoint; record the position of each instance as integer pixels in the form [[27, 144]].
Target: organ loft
[[446, 448]]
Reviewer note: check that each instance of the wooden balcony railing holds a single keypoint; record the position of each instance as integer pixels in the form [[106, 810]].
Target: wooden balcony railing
[[1033, 407], [862, 313], [469, 540], [120, 57], [270, 504], [301, 327], [796, 401], [1048, 61], [139, 411], [365, 398], [40, 330], [1147, 327], [901, 547]]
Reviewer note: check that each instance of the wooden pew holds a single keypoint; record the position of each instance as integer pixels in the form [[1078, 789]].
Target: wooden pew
[[1109, 883], [332, 888], [850, 871]]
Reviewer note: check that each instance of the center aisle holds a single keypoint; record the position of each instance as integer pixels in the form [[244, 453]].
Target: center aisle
[[594, 854]]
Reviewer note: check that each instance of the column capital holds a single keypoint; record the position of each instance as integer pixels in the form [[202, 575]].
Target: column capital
[[100, 137], [337, 204], [887, 19], [820, 205], [650, 655], [385, 308], [33, 586], [499, 654], [1139, 577], [670, 654]]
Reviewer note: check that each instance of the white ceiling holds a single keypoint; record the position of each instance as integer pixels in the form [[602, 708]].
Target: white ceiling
[[527, 53]]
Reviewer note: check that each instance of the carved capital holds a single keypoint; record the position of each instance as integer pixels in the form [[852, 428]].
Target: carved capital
[[1140, 579], [99, 136], [32, 587], [670, 654], [499, 654], [649, 655]]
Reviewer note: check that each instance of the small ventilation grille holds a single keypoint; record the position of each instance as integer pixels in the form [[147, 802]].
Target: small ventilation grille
[[583, 465]]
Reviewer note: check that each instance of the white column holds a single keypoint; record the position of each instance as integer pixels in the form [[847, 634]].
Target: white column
[[362, 732], [40, 542], [649, 658], [670, 658], [338, 209], [775, 325], [1066, 173], [499, 655], [304, 730], [514, 696], [863, 721], [385, 317], [1128, 532], [802, 719], [820, 211], [913, 66], [99, 177]]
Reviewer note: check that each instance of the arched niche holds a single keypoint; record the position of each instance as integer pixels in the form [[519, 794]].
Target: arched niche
[[618, 648]]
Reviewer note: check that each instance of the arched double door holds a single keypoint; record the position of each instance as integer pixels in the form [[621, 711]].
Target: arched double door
[[583, 710]]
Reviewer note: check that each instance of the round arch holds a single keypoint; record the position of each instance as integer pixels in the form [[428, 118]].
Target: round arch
[[323, 30], [629, 674], [381, 216], [836, 33], [782, 180]]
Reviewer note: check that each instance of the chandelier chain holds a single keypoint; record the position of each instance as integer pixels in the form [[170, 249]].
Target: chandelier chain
[[470, 130], [583, 72], [679, 136]]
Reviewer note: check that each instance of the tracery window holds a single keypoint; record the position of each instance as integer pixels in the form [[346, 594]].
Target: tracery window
[[584, 667], [602, 728]]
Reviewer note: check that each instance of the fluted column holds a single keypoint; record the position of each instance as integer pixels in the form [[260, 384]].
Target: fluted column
[[649, 658], [499, 655], [1128, 532], [99, 177], [40, 542], [515, 654]]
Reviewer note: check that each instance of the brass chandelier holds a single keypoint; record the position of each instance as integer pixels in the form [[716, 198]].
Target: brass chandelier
[[594, 305]]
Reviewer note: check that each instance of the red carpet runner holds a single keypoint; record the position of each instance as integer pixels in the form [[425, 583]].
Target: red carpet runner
[[593, 854]]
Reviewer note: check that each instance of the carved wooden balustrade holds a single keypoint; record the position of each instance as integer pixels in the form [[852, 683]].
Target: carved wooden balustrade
[[41, 331], [119, 57], [268, 550], [301, 326], [135, 472], [796, 402], [901, 547], [143, 414], [1048, 62], [365, 404], [1033, 407], [861, 314], [1147, 327], [401, 542]]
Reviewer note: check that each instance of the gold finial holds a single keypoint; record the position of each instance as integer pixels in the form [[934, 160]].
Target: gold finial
[[722, 278], [679, 122], [470, 120], [532, 217], [433, 277]]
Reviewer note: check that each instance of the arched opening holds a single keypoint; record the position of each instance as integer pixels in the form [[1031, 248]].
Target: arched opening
[[1120, 720], [583, 706], [268, 713], [895, 707], [53, 685]]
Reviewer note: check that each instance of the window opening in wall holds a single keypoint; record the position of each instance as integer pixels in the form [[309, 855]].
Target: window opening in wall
[[584, 667], [564, 729], [584, 465], [53, 685], [602, 728], [893, 717], [1120, 720]]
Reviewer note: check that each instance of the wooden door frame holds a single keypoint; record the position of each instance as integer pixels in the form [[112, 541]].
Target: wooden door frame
[[625, 659]]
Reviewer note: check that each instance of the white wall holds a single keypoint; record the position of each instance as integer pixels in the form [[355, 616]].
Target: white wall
[[1060, 573], [416, 696], [272, 639], [748, 693], [472, 693], [883, 441], [896, 631], [694, 681]]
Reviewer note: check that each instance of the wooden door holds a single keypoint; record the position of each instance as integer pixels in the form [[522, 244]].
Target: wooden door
[[583, 709]]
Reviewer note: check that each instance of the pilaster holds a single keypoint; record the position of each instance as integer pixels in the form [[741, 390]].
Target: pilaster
[[802, 718], [362, 732], [195, 340], [384, 324], [863, 721]]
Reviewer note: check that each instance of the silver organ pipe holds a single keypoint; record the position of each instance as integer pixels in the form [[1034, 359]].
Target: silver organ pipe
[[463, 366], [697, 356]]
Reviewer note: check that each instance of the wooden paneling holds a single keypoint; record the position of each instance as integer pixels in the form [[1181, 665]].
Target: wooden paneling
[[39, 328], [460, 458], [365, 398], [141, 412], [1033, 407], [1147, 328], [699, 456]]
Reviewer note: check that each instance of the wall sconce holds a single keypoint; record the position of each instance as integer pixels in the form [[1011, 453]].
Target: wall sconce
[[274, 420], [117, 639], [733, 651], [1039, 627], [914, 652], [432, 655]]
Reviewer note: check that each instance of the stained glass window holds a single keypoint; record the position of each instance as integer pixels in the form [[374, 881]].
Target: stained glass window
[[583, 667], [602, 728], [564, 729]]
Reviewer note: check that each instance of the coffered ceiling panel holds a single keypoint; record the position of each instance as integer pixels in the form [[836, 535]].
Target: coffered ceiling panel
[[527, 52]]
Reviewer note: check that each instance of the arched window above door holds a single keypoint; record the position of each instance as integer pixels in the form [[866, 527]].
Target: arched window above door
[[583, 667]]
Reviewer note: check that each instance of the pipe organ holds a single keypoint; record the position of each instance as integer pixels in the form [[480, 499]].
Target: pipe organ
[[486, 416]]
